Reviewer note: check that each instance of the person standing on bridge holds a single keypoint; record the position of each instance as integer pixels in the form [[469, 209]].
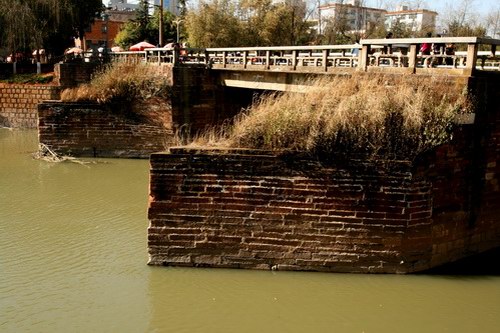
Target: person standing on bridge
[[425, 50], [388, 48]]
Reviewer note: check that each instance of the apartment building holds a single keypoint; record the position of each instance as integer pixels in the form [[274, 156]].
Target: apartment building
[[356, 17], [415, 19]]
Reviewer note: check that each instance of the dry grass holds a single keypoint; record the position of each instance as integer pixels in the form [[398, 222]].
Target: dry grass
[[395, 118], [120, 81]]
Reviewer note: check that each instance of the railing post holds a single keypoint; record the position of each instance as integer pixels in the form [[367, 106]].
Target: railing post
[[364, 58], [207, 57], [294, 59], [224, 59], [412, 58], [245, 57], [268, 59], [176, 56], [471, 57], [325, 60]]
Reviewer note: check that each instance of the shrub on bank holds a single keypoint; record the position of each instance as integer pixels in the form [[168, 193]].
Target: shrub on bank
[[29, 79], [121, 81], [388, 116]]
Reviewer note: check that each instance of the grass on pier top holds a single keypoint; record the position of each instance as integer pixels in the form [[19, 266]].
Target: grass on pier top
[[375, 116], [123, 82]]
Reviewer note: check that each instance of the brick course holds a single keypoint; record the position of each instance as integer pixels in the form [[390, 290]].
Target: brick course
[[18, 103]]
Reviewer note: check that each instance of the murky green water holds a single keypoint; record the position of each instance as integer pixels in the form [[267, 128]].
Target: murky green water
[[73, 259]]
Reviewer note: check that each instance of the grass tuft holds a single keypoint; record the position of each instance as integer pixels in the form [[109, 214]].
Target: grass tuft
[[120, 81], [374, 116]]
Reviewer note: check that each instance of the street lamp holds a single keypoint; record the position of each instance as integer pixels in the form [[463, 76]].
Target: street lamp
[[177, 23], [105, 18]]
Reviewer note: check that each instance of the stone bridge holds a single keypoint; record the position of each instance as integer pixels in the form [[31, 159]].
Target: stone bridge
[[286, 68], [261, 210], [213, 84]]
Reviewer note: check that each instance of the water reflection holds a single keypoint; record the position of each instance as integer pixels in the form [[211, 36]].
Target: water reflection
[[73, 258]]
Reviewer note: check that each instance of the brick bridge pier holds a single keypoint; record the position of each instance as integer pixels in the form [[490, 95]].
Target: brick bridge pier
[[259, 210]]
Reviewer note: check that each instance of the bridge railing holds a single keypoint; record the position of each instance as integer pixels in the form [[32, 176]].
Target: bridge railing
[[463, 53], [314, 58], [459, 54], [129, 56]]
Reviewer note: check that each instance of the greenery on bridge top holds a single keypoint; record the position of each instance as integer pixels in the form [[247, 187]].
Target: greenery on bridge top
[[369, 115]]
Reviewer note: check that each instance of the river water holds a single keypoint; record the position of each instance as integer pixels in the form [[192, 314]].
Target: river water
[[73, 258]]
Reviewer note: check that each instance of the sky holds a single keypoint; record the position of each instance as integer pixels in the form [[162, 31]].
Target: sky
[[482, 7]]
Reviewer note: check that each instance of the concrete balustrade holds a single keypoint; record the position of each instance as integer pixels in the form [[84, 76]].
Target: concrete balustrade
[[457, 55]]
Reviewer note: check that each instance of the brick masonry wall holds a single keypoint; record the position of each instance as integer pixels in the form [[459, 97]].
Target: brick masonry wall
[[72, 74], [250, 209], [111, 131], [18, 103], [200, 101], [465, 177], [193, 98], [103, 130], [245, 209]]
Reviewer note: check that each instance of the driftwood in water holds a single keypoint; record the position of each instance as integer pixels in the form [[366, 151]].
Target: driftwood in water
[[45, 153]]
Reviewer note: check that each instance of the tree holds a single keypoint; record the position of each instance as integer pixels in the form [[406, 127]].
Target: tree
[[457, 29], [83, 13], [142, 20], [146, 27], [252, 14], [249, 22], [337, 27], [493, 23], [285, 24], [402, 30], [49, 24], [214, 24]]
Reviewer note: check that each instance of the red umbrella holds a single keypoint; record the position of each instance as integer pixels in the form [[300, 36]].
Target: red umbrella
[[141, 46]]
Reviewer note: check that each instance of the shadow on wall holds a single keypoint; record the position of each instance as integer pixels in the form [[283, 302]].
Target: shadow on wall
[[485, 263], [4, 122]]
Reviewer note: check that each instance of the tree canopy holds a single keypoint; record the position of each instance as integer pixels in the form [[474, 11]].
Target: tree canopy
[[146, 27], [219, 23], [49, 24]]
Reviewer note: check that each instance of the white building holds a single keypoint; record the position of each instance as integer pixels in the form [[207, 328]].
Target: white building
[[123, 5], [416, 19], [356, 17]]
